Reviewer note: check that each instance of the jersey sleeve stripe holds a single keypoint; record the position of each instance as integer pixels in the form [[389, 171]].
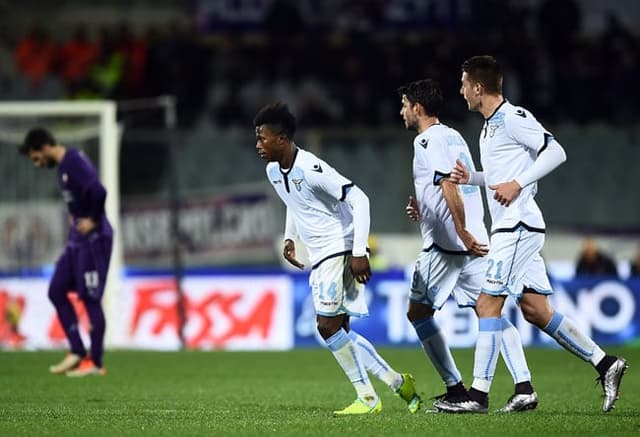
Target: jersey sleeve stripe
[[438, 176], [345, 190], [547, 140]]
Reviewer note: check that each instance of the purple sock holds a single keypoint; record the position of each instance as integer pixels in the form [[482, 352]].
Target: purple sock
[[96, 318], [66, 314]]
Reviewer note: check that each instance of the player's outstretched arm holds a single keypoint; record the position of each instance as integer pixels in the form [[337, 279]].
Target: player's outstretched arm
[[289, 254], [454, 201]]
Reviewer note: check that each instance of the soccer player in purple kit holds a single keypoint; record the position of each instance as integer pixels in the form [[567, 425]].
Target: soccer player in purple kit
[[84, 262]]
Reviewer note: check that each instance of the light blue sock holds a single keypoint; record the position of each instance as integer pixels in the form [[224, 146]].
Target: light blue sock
[[347, 357], [566, 333], [487, 351], [374, 363], [513, 353], [437, 349]]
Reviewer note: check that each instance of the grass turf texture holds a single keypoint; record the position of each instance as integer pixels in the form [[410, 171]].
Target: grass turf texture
[[291, 393]]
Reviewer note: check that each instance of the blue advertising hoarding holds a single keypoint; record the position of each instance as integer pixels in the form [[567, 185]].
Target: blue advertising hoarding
[[606, 309]]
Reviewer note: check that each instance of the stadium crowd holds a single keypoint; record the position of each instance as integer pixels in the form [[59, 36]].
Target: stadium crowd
[[336, 72]]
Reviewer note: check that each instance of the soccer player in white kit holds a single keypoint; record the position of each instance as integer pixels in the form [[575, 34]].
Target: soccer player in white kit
[[330, 215], [516, 151], [454, 244]]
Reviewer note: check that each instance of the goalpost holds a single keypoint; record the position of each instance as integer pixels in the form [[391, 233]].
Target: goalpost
[[107, 133]]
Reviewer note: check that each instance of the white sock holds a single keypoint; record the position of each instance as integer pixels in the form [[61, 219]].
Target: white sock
[[347, 357], [566, 333], [513, 353], [487, 351], [374, 363], [437, 349]]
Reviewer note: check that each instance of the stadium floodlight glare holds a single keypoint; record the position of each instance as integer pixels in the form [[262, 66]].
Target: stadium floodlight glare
[[107, 133]]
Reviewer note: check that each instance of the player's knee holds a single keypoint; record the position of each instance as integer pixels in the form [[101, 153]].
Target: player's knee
[[327, 327], [419, 312], [488, 306]]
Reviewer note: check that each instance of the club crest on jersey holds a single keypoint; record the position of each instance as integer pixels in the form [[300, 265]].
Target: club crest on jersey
[[492, 130], [297, 183]]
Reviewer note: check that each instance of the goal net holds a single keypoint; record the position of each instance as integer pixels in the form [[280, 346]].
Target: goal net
[[33, 223]]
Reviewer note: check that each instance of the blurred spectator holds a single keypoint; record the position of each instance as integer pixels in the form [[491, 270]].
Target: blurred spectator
[[338, 61], [77, 56], [134, 50], [635, 264], [594, 262], [35, 55]]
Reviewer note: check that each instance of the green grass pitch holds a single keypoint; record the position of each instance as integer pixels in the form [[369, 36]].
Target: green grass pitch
[[291, 393]]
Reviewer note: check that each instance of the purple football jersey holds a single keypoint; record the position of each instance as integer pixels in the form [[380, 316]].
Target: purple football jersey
[[83, 192]]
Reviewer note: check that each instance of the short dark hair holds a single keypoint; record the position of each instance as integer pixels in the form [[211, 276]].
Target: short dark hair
[[426, 92], [35, 139], [278, 117], [486, 71]]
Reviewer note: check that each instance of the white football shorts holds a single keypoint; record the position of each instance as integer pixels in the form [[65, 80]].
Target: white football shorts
[[335, 291], [514, 262], [436, 275]]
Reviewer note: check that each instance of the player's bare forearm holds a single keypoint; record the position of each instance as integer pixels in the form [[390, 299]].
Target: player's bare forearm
[[289, 253], [455, 203]]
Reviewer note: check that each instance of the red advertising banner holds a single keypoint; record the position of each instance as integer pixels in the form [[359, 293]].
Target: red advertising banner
[[221, 313]]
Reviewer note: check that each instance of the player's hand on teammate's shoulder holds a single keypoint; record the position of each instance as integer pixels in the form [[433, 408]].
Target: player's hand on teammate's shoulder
[[506, 192], [459, 173], [289, 254], [412, 209], [360, 268]]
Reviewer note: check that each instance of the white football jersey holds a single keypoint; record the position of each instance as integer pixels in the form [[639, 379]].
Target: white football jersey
[[314, 193], [509, 144], [435, 153]]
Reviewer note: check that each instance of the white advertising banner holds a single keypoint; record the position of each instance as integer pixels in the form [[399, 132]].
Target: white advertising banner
[[27, 317]]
